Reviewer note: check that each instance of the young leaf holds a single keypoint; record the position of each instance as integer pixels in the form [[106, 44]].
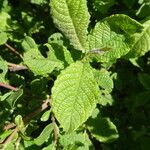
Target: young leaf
[[14, 97], [74, 94], [72, 18], [141, 43], [19, 122], [3, 38], [45, 115], [45, 134], [4, 17]]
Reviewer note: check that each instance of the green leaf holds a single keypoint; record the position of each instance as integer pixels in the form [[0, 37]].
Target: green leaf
[[102, 129], [103, 79], [9, 146], [72, 18], [106, 99], [44, 136], [40, 83], [112, 36], [3, 97], [103, 37], [3, 38], [124, 23], [59, 52], [45, 115], [3, 70], [39, 2], [59, 39], [19, 122], [75, 94], [144, 80], [141, 43], [40, 65], [30, 144], [136, 62], [14, 97], [4, 17], [50, 147], [28, 44], [5, 134], [75, 140]]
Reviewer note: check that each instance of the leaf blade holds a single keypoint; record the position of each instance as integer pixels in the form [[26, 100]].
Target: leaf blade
[[72, 18], [75, 94], [113, 32], [141, 43]]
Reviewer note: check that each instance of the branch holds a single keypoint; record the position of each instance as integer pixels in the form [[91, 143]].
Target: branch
[[56, 132], [15, 67], [26, 120], [9, 126], [10, 137], [55, 129], [38, 110], [7, 86], [13, 50]]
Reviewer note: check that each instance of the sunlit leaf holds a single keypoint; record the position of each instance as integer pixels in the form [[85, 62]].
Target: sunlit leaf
[[75, 94]]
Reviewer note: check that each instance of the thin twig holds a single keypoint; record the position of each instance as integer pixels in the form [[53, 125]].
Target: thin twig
[[56, 132], [9, 126], [55, 129], [13, 50], [10, 137], [7, 86], [15, 67], [26, 120]]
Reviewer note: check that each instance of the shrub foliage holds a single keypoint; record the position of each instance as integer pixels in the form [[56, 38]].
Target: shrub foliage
[[74, 74]]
